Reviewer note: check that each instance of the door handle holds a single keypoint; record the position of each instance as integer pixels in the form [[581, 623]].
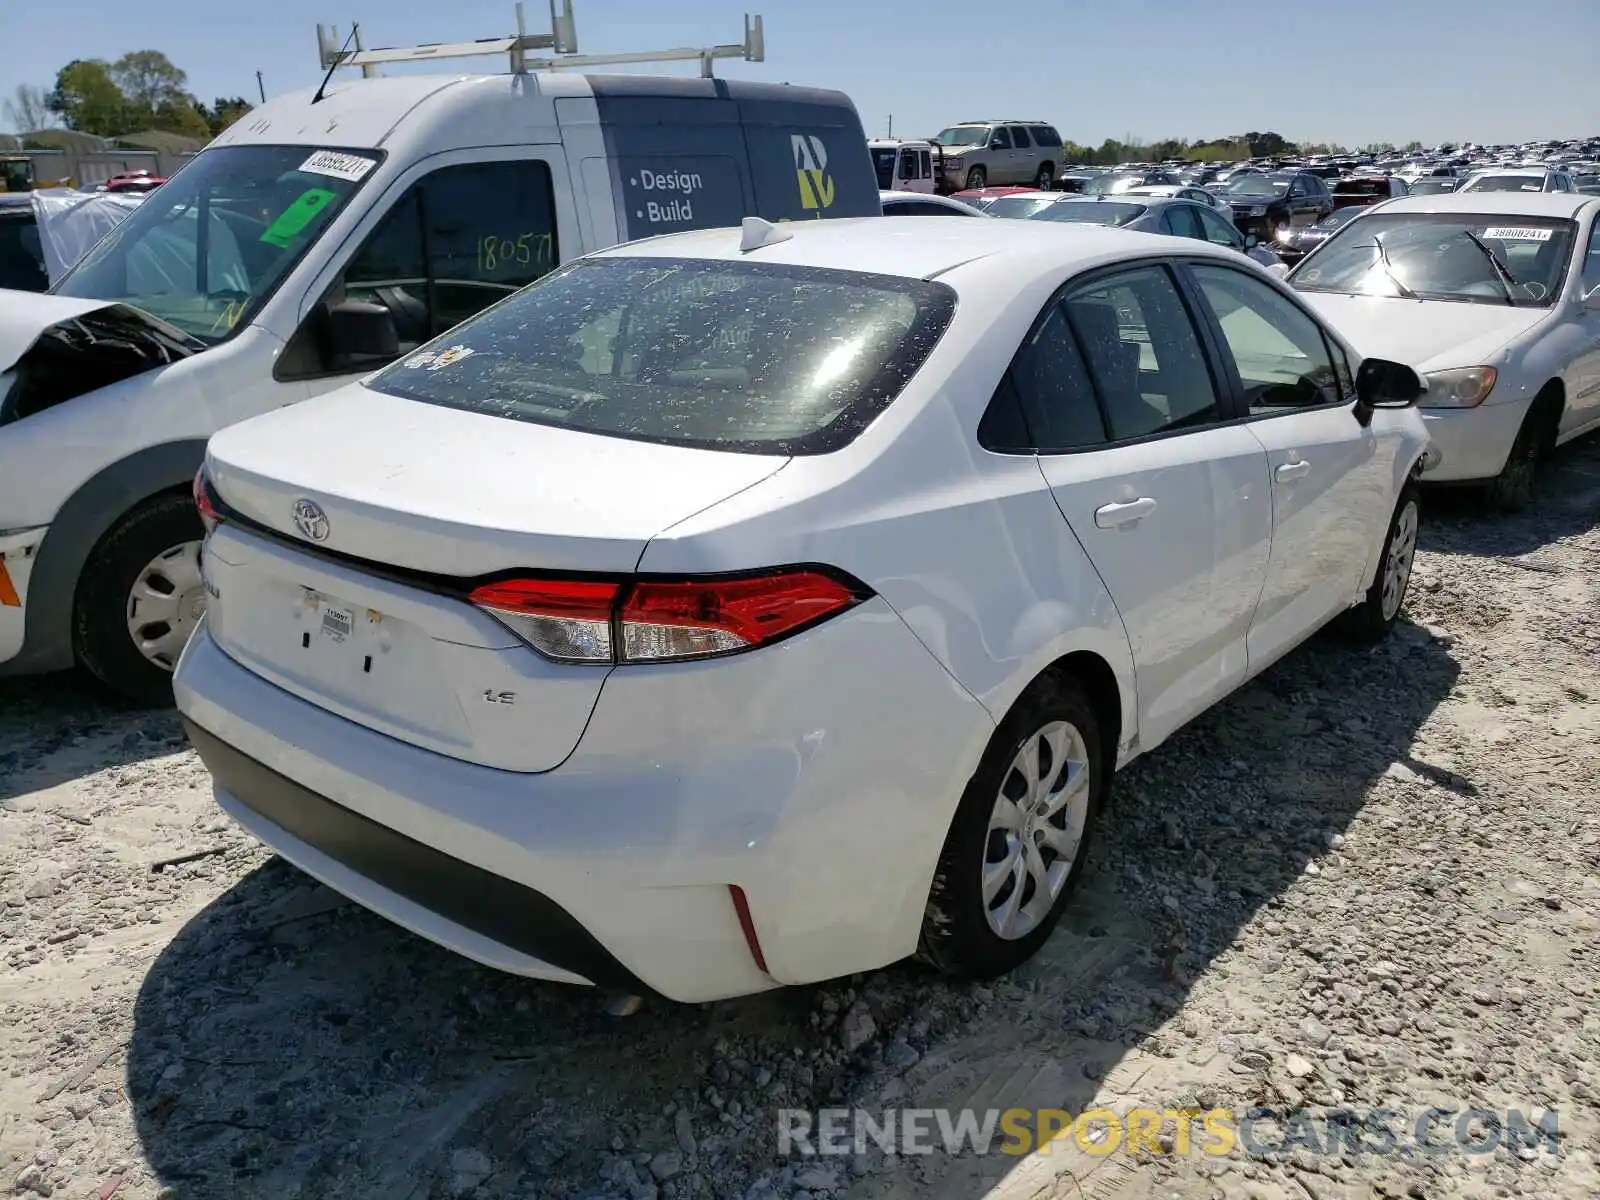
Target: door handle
[[1113, 516], [1291, 470]]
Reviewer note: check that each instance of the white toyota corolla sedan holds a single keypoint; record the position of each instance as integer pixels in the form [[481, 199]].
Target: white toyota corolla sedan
[[1495, 297], [744, 608]]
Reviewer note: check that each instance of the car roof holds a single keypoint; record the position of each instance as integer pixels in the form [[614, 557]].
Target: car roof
[[1511, 204], [922, 249]]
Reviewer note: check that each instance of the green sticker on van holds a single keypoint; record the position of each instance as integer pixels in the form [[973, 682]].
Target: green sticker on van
[[297, 216]]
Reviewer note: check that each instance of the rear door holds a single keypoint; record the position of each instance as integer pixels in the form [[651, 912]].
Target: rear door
[[1331, 477], [1171, 505], [806, 152]]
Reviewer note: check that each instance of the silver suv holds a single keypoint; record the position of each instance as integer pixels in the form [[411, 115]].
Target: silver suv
[[986, 153]]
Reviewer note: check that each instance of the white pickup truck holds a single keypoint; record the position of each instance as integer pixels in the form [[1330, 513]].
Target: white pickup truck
[[328, 232]]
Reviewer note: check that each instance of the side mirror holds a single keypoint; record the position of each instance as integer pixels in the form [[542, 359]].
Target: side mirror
[[1251, 241], [357, 334], [1384, 384]]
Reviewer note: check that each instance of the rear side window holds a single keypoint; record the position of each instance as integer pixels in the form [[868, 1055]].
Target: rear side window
[[750, 357], [1043, 135]]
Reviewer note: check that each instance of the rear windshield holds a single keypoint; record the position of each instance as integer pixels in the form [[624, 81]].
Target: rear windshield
[[1091, 212], [1020, 206], [750, 357]]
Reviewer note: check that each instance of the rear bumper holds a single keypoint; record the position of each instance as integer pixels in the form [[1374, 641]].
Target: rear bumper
[[819, 777]]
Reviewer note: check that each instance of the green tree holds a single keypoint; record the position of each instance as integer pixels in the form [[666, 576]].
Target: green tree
[[225, 110], [88, 98], [150, 84], [181, 114]]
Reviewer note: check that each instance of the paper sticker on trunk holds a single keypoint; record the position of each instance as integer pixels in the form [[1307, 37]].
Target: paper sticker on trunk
[[1510, 233], [352, 167], [337, 623], [297, 216]]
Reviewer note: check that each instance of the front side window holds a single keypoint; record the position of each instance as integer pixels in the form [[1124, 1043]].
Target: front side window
[[457, 241], [1477, 259], [208, 247], [1591, 261], [1179, 220], [1282, 358], [750, 357], [1218, 231], [1143, 354], [1001, 140]]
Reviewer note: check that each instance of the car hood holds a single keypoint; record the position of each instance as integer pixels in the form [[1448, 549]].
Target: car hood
[[76, 346], [1429, 335]]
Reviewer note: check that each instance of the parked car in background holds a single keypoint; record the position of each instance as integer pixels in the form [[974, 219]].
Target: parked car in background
[[1362, 190], [1294, 242], [1264, 204], [1518, 181], [923, 204], [1113, 182], [1157, 214], [1198, 194], [984, 197], [611, 720], [1075, 179], [1495, 297], [905, 166], [1589, 185], [21, 254], [134, 181], [979, 153], [1434, 185], [1026, 204]]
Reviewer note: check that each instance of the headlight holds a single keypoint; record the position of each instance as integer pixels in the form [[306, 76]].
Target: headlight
[[1255, 210], [1466, 387]]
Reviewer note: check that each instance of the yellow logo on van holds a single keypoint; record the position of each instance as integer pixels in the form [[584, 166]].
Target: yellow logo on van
[[811, 170]]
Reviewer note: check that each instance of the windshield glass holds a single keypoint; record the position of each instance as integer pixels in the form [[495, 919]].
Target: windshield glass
[[1091, 212], [1255, 185], [964, 135], [1340, 216], [1474, 259], [883, 164], [751, 357], [207, 247], [1110, 185], [1508, 183], [1021, 206]]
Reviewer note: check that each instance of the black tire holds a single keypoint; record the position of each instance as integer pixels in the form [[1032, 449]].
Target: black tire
[[957, 938], [101, 640], [1373, 618], [1045, 180], [1511, 491], [976, 178]]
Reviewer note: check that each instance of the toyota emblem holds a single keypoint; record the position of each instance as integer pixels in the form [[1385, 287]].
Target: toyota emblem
[[311, 520]]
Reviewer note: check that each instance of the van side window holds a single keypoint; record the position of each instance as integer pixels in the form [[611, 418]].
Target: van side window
[[458, 240]]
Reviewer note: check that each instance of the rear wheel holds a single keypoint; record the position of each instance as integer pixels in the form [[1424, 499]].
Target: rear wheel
[[1016, 848], [139, 599], [977, 178]]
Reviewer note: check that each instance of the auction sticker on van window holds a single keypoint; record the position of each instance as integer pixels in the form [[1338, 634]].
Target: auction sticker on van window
[[1512, 233], [339, 165]]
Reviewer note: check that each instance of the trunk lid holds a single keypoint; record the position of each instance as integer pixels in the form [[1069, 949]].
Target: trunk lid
[[405, 491]]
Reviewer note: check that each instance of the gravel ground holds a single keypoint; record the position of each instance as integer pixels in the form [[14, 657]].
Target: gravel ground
[[1369, 880]]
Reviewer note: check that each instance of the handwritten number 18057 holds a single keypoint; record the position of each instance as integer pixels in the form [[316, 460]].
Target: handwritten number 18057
[[496, 253]]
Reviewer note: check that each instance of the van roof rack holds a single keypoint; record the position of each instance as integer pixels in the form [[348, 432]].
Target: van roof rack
[[562, 41]]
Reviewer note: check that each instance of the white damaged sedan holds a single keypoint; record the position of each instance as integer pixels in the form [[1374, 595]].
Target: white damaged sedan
[[1495, 297], [743, 608]]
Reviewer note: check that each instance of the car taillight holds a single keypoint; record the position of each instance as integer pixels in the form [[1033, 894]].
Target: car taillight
[[205, 500], [665, 620]]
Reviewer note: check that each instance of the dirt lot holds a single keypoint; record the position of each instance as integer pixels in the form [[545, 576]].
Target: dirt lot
[[1370, 880]]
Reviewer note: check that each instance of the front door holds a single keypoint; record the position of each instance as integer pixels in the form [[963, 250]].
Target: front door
[[1172, 507], [1583, 381], [1331, 477]]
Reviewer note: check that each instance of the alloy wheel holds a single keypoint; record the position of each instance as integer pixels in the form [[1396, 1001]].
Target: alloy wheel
[[1402, 552]]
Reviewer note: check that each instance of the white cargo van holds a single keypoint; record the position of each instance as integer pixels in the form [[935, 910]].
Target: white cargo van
[[906, 166], [324, 235]]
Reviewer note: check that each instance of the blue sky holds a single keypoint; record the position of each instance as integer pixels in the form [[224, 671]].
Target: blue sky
[[1349, 71]]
